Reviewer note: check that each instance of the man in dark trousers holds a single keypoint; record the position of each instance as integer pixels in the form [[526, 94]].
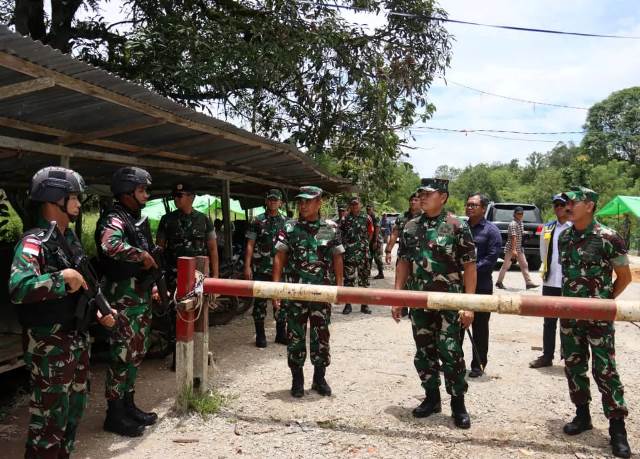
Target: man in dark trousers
[[551, 276], [488, 242]]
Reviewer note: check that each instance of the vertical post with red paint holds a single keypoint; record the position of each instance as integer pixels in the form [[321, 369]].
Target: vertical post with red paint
[[184, 329], [201, 337]]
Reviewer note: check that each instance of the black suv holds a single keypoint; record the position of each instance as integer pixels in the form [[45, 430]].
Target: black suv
[[501, 213]]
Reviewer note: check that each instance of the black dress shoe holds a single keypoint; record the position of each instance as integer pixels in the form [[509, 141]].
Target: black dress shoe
[[475, 373], [541, 362], [347, 309], [500, 285]]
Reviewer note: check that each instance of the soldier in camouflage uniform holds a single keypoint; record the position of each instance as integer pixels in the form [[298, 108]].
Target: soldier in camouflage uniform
[[124, 253], [261, 235], [47, 289], [413, 211], [311, 250], [185, 232], [589, 254], [375, 247], [356, 230], [435, 249]]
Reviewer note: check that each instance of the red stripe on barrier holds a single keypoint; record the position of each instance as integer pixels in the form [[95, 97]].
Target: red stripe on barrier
[[231, 287], [568, 308], [184, 284]]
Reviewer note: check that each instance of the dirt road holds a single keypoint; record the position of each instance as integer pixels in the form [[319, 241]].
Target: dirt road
[[515, 411]]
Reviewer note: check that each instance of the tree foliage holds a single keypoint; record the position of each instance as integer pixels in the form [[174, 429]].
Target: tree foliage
[[613, 127], [294, 71]]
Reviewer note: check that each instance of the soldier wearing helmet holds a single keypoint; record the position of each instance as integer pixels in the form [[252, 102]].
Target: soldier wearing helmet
[[124, 244], [47, 289]]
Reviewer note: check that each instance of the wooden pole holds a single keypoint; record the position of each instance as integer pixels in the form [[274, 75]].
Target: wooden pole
[[201, 338]]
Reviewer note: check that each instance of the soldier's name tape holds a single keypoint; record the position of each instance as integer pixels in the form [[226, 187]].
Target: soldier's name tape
[[515, 304]]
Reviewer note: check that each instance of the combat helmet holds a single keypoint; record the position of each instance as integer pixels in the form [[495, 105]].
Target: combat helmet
[[53, 183], [126, 179]]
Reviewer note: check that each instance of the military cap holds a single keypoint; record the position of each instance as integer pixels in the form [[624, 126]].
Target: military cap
[[182, 187], [580, 193], [354, 200], [434, 184], [559, 197], [309, 192], [274, 194], [413, 195]]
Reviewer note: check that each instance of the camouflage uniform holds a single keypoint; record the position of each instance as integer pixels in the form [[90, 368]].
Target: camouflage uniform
[[588, 258], [186, 235], [264, 230], [122, 244], [311, 246], [437, 248], [56, 355], [355, 237], [376, 253]]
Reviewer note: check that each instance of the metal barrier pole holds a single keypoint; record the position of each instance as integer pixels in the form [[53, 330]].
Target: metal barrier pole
[[201, 338], [184, 329], [524, 305]]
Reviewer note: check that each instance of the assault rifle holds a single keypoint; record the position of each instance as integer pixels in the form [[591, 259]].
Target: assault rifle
[[92, 298], [156, 275]]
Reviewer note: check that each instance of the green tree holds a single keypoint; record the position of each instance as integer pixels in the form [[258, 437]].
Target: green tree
[[613, 128]]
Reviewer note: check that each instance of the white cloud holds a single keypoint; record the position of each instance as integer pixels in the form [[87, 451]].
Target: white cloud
[[568, 70]]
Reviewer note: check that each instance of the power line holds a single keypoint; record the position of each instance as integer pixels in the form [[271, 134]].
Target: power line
[[516, 138], [515, 99], [478, 24], [498, 131]]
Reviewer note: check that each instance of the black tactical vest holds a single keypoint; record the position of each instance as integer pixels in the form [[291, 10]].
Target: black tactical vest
[[61, 310]]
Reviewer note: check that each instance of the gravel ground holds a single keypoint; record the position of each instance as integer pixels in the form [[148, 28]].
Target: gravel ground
[[515, 411]]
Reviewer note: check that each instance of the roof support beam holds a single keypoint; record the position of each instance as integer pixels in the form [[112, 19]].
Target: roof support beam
[[26, 87], [171, 166], [117, 130]]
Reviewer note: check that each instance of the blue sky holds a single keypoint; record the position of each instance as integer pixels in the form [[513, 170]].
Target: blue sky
[[567, 70]]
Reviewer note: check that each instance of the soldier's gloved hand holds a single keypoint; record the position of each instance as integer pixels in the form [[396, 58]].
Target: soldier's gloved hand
[[107, 321], [147, 261], [466, 317], [396, 313], [73, 279], [248, 275]]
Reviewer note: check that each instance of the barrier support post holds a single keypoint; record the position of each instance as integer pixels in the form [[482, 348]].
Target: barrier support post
[[201, 338], [184, 330]]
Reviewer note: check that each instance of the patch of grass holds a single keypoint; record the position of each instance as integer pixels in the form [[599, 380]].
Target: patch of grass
[[205, 404]]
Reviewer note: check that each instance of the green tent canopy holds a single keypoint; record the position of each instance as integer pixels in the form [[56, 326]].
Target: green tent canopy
[[207, 204], [621, 205]]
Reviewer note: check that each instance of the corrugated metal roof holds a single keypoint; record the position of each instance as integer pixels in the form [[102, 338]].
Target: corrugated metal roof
[[87, 112]]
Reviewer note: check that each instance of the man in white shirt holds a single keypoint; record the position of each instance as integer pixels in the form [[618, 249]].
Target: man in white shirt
[[551, 276]]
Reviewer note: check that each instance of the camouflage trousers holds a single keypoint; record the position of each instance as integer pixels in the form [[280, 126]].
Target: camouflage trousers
[[577, 336], [59, 365], [319, 316], [128, 345], [437, 337], [260, 304], [356, 271], [376, 256]]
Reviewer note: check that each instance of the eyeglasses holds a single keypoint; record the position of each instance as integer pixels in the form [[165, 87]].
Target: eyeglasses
[[471, 205]]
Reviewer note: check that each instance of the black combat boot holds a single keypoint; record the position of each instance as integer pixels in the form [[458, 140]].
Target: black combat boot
[[261, 338], [319, 383], [119, 422], [135, 413], [347, 309], [365, 309], [459, 412], [297, 384], [581, 422], [281, 333], [618, 433], [431, 404]]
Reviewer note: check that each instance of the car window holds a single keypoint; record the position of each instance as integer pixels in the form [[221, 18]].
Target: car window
[[506, 215]]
